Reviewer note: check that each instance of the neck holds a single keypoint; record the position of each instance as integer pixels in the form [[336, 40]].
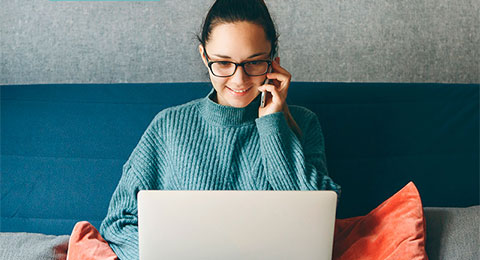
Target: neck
[[227, 115]]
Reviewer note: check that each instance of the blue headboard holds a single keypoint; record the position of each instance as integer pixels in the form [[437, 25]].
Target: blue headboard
[[63, 146]]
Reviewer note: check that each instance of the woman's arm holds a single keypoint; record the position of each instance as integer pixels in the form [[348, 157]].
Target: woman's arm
[[142, 171], [292, 164], [120, 226]]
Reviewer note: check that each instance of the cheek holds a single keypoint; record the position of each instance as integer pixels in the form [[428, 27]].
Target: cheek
[[218, 82], [258, 81]]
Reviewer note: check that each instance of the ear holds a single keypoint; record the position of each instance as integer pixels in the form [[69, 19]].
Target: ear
[[202, 54]]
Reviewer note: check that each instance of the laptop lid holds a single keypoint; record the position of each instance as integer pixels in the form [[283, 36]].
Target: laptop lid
[[236, 224]]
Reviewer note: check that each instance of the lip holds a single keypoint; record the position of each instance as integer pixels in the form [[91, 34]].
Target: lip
[[239, 94]]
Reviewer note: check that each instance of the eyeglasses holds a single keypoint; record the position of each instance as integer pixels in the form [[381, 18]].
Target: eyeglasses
[[228, 68]]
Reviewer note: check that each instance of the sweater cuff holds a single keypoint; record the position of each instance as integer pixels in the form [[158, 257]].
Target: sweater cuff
[[271, 123]]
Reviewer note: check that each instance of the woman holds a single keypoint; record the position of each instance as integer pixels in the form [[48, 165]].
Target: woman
[[224, 141]]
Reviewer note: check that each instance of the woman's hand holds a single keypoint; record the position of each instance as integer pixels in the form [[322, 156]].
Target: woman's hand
[[276, 91]]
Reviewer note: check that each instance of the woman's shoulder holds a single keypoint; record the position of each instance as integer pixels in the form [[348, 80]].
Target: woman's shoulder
[[177, 112], [301, 113], [305, 118]]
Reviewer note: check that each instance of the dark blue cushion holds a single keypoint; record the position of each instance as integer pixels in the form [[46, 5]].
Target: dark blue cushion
[[63, 146]]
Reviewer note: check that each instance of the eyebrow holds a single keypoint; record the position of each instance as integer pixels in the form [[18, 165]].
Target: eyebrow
[[252, 56]]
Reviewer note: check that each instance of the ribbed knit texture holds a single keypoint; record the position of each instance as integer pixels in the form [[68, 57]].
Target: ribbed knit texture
[[202, 145]]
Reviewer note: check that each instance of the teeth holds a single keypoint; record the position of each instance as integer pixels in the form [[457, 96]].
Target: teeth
[[241, 91]]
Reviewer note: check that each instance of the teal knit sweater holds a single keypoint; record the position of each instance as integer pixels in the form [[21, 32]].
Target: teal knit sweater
[[202, 145]]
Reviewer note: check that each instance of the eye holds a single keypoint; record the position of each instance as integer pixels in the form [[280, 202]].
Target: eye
[[223, 62], [255, 62]]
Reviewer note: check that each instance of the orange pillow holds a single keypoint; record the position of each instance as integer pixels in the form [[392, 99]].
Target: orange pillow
[[86, 243], [393, 230]]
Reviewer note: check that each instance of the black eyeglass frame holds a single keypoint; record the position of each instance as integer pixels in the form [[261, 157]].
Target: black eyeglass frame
[[269, 62]]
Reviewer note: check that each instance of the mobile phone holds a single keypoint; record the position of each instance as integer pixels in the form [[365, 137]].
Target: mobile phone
[[262, 99]]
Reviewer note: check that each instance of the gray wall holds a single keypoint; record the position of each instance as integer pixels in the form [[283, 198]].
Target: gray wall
[[353, 41]]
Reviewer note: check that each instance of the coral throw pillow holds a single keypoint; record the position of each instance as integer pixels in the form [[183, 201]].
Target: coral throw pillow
[[86, 243], [394, 230]]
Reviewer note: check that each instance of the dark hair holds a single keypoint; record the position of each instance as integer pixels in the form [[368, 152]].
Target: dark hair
[[254, 11], [230, 11]]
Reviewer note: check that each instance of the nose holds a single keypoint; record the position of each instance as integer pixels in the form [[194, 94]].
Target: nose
[[239, 77]]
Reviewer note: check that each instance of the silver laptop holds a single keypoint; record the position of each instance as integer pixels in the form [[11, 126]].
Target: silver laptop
[[236, 224]]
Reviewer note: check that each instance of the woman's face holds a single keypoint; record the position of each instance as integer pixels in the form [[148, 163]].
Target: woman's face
[[237, 42]]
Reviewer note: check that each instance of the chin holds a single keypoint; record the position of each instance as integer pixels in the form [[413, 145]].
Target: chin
[[241, 101]]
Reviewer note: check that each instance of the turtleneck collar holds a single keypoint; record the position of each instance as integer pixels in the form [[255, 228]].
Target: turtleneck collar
[[227, 115]]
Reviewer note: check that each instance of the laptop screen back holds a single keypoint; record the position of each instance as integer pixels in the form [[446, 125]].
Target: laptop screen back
[[236, 224]]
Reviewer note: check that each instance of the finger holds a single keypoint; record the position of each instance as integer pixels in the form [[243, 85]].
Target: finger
[[265, 87], [276, 95], [276, 67], [278, 76], [270, 87], [282, 78]]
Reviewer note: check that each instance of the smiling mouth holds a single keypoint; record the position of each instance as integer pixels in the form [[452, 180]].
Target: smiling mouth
[[240, 91]]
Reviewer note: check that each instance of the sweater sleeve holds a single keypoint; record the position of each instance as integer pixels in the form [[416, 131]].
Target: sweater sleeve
[[291, 163], [140, 172]]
